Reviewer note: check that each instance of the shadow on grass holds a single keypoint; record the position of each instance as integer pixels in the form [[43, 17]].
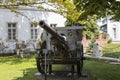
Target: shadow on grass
[[29, 74], [14, 60], [113, 54], [96, 70]]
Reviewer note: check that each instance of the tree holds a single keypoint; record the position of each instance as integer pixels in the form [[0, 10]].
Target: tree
[[65, 8], [101, 8], [90, 27], [85, 8]]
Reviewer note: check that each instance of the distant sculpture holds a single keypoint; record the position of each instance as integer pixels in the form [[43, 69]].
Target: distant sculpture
[[96, 51]]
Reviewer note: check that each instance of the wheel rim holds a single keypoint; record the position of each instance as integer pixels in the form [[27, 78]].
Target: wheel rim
[[40, 66], [39, 61]]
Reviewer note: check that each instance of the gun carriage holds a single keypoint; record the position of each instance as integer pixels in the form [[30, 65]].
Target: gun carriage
[[62, 45]]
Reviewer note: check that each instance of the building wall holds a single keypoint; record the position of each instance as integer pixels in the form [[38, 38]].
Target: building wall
[[113, 28], [23, 23]]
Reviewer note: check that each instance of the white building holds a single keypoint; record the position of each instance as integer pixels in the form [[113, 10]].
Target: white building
[[111, 27], [15, 26]]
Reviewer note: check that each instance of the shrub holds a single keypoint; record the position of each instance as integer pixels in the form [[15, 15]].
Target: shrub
[[104, 35], [90, 46], [109, 41]]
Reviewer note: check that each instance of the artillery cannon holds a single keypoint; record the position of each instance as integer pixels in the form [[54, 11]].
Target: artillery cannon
[[62, 45]]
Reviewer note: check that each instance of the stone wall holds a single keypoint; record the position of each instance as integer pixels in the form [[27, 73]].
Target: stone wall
[[100, 41]]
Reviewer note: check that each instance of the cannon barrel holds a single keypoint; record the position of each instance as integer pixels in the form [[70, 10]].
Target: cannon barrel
[[51, 31]]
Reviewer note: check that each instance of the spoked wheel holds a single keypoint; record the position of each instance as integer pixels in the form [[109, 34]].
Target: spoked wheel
[[40, 60], [40, 66], [80, 62]]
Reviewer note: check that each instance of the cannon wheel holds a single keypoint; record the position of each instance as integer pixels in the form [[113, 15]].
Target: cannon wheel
[[40, 66], [80, 63], [40, 61]]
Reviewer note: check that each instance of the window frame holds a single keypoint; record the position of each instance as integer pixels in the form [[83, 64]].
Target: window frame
[[13, 34], [33, 32], [114, 33]]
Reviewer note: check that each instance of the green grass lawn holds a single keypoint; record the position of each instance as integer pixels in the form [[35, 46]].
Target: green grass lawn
[[12, 68], [111, 50]]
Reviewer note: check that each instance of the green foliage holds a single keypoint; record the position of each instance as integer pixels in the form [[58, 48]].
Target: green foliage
[[81, 8], [99, 7], [65, 8], [10, 1], [0, 1], [90, 46], [104, 35], [90, 27], [109, 41]]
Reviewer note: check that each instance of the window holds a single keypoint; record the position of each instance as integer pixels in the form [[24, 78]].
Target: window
[[53, 25], [104, 21], [103, 28], [34, 32], [114, 32], [11, 31]]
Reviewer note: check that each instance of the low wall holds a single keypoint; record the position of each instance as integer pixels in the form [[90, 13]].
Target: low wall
[[86, 42]]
